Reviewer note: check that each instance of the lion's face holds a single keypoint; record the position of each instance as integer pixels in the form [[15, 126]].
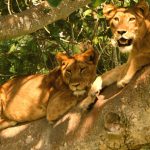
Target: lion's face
[[78, 71], [127, 24]]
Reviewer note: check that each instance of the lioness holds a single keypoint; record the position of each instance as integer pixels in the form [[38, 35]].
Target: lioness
[[131, 33], [35, 96]]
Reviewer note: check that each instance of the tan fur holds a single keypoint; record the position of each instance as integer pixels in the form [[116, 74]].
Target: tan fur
[[35, 96], [131, 33]]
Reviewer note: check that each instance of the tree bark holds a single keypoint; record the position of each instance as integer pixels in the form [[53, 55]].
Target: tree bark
[[36, 18], [119, 120]]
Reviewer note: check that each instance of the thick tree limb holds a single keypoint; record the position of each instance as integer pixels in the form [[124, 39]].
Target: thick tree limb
[[36, 18], [120, 120]]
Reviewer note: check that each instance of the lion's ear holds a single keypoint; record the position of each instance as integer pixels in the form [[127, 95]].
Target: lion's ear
[[61, 57], [91, 55], [142, 8], [109, 10]]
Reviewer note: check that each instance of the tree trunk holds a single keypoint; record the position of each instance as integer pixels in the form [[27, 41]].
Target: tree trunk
[[36, 18], [119, 120]]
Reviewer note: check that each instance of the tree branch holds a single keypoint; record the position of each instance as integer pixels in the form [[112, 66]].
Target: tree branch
[[36, 18]]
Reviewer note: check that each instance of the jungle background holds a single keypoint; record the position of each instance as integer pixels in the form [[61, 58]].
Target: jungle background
[[119, 120], [35, 53]]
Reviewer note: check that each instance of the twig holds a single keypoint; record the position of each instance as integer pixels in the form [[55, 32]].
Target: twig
[[9, 7], [18, 6], [5, 75]]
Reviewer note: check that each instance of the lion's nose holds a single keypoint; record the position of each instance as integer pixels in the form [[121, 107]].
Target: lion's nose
[[121, 32]]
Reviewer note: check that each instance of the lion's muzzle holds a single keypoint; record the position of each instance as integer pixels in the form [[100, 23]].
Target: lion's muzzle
[[122, 42], [78, 89]]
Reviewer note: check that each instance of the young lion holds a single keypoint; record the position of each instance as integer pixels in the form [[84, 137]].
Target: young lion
[[35, 96], [131, 32]]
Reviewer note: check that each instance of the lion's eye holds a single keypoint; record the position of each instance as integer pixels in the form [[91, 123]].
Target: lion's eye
[[132, 19], [109, 12], [68, 72], [63, 63], [116, 19], [83, 69]]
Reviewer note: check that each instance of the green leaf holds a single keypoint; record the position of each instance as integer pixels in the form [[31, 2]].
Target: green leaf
[[97, 2], [87, 12], [54, 3], [12, 49]]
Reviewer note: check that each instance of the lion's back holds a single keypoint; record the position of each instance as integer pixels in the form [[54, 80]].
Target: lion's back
[[25, 95]]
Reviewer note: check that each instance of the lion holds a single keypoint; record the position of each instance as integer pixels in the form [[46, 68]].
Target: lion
[[32, 97], [131, 33]]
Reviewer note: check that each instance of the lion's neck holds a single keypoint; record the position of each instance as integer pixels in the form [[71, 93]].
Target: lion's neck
[[59, 84], [143, 44], [141, 47], [146, 40], [148, 22]]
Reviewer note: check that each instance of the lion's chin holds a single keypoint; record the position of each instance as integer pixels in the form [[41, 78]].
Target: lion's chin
[[79, 92], [125, 45], [126, 49]]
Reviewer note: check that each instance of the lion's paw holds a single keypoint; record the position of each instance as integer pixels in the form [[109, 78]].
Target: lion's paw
[[83, 106], [122, 83], [96, 86]]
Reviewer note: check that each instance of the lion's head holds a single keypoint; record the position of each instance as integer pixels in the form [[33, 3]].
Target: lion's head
[[128, 25], [78, 71]]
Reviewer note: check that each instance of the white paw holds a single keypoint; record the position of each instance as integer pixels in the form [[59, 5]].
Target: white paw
[[96, 86]]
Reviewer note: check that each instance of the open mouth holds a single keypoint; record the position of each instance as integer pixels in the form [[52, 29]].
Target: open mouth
[[122, 42]]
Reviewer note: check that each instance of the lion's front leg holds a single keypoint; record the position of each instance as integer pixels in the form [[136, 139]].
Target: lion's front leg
[[135, 64], [107, 79], [59, 104], [102, 81]]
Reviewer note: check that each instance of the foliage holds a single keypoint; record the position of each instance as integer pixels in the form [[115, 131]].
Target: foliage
[[35, 53]]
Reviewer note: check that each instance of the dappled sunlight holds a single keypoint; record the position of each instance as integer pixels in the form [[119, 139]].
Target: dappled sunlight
[[76, 127], [89, 120], [39, 144], [79, 119], [73, 118], [24, 95], [13, 131], [31, 135], [73, 122], [80, 122], [15, 85], [62, 108]]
